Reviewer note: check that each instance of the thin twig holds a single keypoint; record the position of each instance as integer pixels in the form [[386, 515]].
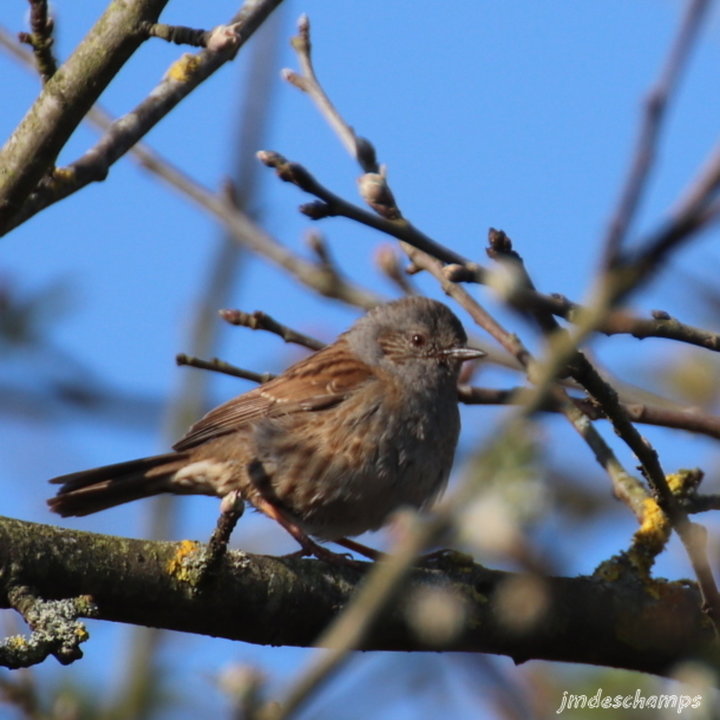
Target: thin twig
[[359, 148], [696, 211], [333, 205], [259, 320], [41, 38], [217, 365], [690, 421], [387, 259]]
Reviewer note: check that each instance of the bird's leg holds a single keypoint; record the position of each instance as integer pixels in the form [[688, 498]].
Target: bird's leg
[[308, 545], [232, 507], [359, 548], [266, 503]]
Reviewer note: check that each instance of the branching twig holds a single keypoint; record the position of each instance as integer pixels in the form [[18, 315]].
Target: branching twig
[[41, 39], [22, 195], [360, 148], [55, 629], [617, 322], [458, 269], [333, 205], [259, 320]]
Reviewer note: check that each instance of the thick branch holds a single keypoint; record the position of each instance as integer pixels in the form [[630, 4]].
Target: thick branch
[[288, 601]]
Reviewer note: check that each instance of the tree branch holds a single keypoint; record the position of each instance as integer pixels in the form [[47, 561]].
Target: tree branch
[[289, 601], [29, 155], [66, 98]]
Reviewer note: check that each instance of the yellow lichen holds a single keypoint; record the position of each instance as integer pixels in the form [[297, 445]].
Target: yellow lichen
[[684, 481], [650, 538], [181, 70], [608, 570], [177, 566], [655, 529], [16, 642]]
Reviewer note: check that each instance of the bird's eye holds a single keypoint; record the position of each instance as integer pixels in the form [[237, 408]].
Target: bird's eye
[[417, 339]]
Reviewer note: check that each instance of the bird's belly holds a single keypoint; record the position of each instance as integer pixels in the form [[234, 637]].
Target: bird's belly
[[355, 486], [355, 464]]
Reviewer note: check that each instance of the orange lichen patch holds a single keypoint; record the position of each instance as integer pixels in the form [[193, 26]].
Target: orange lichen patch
[[178, 566]]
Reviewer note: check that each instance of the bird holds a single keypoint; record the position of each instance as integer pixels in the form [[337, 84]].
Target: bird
[[330, 447]]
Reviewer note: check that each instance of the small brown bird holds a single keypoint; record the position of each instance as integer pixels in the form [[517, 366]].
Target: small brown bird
[[329, 448]]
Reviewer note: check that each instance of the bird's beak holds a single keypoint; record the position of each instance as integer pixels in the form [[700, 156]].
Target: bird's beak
[[464, 353]]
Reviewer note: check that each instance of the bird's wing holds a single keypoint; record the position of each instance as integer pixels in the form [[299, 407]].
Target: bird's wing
[[318, 382]]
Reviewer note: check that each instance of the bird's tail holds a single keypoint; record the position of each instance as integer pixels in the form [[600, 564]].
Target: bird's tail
[[83, 493]]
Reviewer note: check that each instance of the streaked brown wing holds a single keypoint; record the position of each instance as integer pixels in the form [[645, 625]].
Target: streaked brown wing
[[318, 382]]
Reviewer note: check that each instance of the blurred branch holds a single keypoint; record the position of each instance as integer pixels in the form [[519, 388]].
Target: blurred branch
[[152, 583], [246, 232], [698, 209], [655, 107], [333, 205]]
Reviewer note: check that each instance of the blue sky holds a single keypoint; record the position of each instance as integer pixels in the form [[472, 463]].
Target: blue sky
[[514, 114]]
